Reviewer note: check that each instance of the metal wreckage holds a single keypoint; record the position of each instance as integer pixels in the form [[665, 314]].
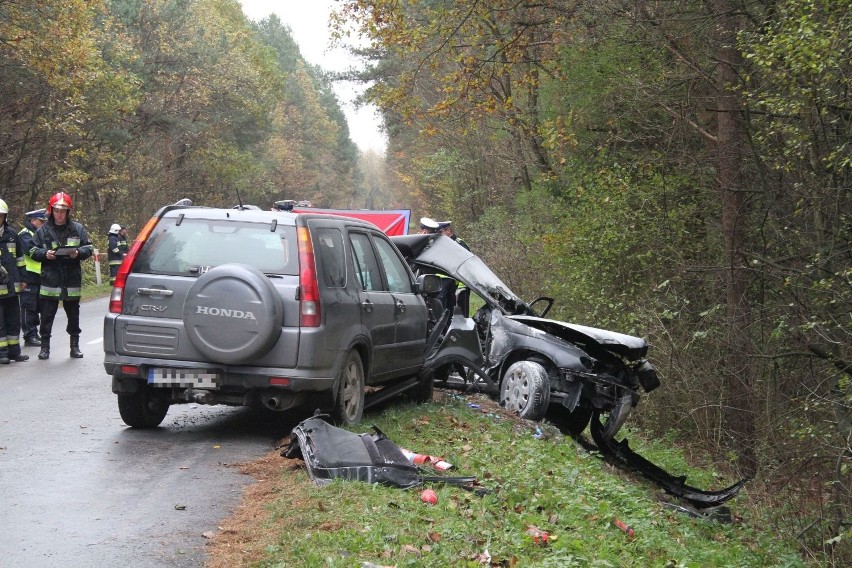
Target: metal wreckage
[[585, 376]]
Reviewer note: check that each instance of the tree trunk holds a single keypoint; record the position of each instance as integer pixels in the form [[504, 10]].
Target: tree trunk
[[739, 396]]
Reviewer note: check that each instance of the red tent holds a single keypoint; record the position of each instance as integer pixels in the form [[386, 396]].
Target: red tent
[[393, 222]]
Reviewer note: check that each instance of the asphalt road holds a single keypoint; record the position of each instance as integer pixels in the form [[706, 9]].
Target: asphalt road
[[78, 488]]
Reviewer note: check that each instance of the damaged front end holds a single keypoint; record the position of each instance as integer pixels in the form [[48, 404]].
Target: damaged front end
[[587, 376]]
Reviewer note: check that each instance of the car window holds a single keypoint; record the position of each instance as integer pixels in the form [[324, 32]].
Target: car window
[[194, 246], [366, 265], [395, 271], [328, 246]]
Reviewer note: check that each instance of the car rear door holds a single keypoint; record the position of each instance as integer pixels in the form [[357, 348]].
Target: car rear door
[[409, 309], [378, 306]]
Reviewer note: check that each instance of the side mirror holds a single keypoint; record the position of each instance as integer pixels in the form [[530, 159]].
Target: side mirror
[[428, 284]]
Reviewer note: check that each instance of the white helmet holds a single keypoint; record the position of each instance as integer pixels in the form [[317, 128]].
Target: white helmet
[[114, 229], [4, 209]]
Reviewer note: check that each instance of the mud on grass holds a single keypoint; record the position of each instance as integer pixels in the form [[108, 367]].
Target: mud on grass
[[539, 482]]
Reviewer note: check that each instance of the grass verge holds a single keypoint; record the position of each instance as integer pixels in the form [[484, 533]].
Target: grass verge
[[538, 480]]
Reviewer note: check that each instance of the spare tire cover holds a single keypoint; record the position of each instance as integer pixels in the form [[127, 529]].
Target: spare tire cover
[[233, 314]]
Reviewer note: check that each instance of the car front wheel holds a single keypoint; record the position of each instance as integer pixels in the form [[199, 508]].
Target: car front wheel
[[142, 409], [525, 389], [349, 402]]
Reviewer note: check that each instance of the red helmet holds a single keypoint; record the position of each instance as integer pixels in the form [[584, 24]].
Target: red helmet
[[60, 200]]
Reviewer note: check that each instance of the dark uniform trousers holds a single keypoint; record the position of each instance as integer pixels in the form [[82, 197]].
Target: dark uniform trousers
[[29, 311], [48, 314]]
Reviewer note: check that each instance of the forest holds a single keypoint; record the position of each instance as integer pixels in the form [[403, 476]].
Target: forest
[[679, 170]]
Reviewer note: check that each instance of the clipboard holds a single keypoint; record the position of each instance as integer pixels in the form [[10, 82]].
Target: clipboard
[[64, 251]]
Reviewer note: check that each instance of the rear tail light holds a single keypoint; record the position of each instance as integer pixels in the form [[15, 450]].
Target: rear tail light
[[131, 370], [309, 301], [116, 298]]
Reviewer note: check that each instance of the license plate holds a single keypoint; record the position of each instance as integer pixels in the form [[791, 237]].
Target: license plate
[[168, 377]]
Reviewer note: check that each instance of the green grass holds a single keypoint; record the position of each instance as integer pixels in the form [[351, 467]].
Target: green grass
[[547, 482], [92, 290]]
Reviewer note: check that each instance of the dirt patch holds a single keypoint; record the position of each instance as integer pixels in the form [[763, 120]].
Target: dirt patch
[[244, 536]]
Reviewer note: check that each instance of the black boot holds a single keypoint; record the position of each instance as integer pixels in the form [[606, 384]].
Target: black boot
[[45, 348], [75, 347]]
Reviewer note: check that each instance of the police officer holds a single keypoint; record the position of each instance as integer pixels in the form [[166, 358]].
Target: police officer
[[450, 294], [31, 276], [446, 229], [117, 249], [428, 226], [10, 285], [61, 245]]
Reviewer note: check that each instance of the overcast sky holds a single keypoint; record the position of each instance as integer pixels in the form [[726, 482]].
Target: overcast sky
[[308, 20]]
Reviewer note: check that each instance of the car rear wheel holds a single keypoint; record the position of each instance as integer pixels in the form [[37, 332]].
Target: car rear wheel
[[142, 409], [525, 389], [349, 402]]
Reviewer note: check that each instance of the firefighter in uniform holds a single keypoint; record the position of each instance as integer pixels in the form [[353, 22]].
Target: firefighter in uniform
[[10, 286], [31, 277], [117, 249], [61, 245]]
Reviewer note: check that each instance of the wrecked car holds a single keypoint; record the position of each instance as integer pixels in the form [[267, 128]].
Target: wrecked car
[[531, 362], [585, 375]]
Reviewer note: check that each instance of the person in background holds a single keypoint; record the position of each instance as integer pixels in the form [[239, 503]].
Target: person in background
[[31, 276], [61, 245], [284, 205], [446, 229], [10, 285], [428, 226], [116, 250], [452, 292]]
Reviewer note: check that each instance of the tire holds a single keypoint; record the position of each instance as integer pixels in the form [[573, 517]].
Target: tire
[[525, 390], [142, 409], [349, 399], [604, 431], [233, 314]]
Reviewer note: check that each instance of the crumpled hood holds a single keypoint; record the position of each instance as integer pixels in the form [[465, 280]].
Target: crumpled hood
[[627, 346], [445, 255]]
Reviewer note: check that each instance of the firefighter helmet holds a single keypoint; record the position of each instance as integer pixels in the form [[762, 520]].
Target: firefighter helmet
[[4, 209], [59, 200], [114, 229]]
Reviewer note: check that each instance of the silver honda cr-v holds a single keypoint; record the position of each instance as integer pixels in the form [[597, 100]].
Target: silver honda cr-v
[[249, 307]]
